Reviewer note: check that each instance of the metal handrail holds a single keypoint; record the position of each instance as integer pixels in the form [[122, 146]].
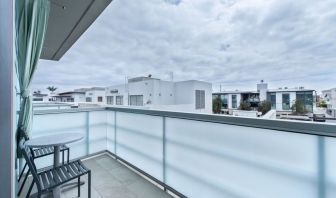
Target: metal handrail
[[302, 127]]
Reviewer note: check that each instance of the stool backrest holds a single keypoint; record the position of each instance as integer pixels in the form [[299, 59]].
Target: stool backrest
[[27, 154]]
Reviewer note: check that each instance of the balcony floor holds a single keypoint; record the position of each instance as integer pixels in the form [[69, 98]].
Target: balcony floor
[[110, 179]]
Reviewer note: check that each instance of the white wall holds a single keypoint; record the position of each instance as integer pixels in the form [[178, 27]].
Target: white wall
[[122, 91], [164, 93], [278, 101], [78, 97], [185, 94], [292, 98], [333, 98], [159, 93], [230, 100], [94, 94]]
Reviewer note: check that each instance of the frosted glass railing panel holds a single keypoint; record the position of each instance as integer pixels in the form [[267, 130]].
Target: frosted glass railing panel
[[110, 131], [217, 160], [97, 131], [330, 165], [139, 141], [50, 124]]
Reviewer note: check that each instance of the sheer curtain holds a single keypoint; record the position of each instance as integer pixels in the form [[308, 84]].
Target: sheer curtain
[[31, 21]]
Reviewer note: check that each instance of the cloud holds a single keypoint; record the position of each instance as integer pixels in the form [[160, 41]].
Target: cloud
[[230, 42]]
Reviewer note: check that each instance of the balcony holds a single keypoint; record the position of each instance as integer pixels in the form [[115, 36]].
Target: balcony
[[197, 155], [111, 178]]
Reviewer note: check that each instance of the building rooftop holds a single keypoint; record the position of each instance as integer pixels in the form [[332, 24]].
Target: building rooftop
[[236, 92], [289, 90], [141, 78], [70, 92], [39, 94]]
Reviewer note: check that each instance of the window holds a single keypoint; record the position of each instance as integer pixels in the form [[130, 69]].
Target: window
[[70, 99], [37, 99], [109, 100], [119, 100], [224, 99], [200, 99], [285, 102], [234, 101], [100, 98], [136, 100], [272, 98], [306, 97], [88, 99]]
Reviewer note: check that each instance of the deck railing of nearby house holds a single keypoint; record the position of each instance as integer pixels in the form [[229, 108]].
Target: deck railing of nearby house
[[201, 155]]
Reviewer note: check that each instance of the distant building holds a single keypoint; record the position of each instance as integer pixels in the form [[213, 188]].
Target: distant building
[[153, 93], [281, 99], [39, 97], [70, 96], [329, 96], [95, 95]]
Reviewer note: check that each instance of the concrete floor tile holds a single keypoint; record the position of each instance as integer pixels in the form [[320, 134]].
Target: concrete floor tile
[[111, 179]]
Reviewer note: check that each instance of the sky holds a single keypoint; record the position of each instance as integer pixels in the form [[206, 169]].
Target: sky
[[231, 43]]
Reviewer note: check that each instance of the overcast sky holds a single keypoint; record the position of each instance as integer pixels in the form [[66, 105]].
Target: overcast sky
[[235, 43]]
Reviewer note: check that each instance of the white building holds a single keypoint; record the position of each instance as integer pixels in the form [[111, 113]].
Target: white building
[[281, 99], [330, 97], [40, 97], [70, 96], [152, 93], [95, 95]]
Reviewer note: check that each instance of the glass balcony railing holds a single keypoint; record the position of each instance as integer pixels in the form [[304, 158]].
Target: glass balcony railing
[[202, 155]]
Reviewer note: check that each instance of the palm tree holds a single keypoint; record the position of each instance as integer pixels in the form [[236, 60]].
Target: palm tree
[[52, 88]]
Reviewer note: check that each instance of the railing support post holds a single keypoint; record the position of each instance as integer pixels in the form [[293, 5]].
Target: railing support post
[[87, 133], [321, 167], [164, 151], [115, 133]]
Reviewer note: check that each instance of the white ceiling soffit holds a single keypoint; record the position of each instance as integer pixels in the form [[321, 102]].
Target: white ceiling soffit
[[68, 20]]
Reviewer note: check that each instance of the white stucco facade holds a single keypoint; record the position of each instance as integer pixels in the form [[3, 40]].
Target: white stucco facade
[[329, 96], [154, 93], [95, 95]]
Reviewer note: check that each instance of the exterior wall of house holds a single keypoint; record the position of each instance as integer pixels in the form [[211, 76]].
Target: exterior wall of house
[[78, 97], [279, 103], [40, 98], [230, 102], [166, 95], [185, 94], [330, 97], [94, 94], [262, 89]]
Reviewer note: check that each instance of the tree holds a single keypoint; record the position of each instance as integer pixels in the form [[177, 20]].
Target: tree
[[246, 106], [216, 105], [299, 107], [52, 89], [323, 104], [264, 107]]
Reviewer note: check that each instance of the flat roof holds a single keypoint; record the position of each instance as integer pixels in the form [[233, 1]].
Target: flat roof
[[39, 94], [269, 90], [68, 20], [71, 92], [236, 92], [289, 90]]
